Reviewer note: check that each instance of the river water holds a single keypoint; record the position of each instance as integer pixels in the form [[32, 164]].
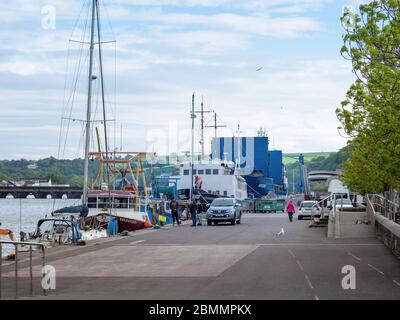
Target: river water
[[23, 214]]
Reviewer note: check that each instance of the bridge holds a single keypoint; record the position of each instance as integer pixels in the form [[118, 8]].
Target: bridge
[[323, 175], [40, 191]]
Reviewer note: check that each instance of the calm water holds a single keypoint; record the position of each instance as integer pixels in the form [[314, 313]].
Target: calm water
[[23, 214]]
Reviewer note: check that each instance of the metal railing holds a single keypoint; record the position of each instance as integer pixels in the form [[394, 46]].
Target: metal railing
[[384, 206], [16, 244], [320, 203], [379, 216]]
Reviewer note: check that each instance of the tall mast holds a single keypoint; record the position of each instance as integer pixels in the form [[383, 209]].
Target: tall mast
[[104, 106], [202, 129], [88, 110], [192, 115]]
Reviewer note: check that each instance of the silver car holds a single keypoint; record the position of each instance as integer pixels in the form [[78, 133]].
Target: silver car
[[224, 210], [309, 208]]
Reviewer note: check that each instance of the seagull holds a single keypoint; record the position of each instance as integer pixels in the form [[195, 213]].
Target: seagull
[[280, 233], [259, 69]]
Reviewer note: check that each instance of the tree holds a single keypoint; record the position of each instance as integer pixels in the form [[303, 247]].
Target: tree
[[370, 114]]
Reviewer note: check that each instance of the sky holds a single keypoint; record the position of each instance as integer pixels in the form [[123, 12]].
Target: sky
[[165, 50]]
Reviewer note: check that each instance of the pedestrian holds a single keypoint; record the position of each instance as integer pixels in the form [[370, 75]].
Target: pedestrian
[[291, 209], [192, 210], [199, 212], [174, 212]]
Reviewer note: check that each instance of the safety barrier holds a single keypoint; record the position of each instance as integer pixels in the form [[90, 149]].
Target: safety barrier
[[16, 244], [387, 230]]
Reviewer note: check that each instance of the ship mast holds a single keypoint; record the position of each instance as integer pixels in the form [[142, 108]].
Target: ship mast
[[88, 109], [193, 116]]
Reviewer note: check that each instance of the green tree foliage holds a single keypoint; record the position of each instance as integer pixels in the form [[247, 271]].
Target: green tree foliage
[[370, 114]]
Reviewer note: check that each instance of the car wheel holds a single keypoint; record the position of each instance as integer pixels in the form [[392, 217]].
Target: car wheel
[[209, 222], [233, 222], [240, 220]]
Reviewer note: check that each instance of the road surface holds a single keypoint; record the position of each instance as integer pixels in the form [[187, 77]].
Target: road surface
[[246, 261]]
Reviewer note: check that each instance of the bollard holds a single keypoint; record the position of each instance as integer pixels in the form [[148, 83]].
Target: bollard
[[16, 244]]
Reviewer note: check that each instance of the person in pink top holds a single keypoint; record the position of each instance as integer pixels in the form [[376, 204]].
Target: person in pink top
[[290, 209]]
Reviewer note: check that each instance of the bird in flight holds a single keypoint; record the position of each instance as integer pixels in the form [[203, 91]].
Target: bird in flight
[[259, 69]]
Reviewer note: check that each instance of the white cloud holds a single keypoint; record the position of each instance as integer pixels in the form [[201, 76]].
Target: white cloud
[[163, 55]]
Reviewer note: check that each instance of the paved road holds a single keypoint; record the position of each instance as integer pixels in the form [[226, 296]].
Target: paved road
[[247, 261]]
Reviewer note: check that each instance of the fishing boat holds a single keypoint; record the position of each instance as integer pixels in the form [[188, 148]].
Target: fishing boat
[[126, 203]]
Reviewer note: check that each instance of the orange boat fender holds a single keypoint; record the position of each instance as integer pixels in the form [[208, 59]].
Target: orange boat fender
[[147, 224], [5, 232]]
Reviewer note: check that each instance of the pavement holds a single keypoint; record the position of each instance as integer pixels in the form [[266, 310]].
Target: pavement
[[246, 261]]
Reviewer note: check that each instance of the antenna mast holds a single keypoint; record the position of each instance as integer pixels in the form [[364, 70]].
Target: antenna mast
[[215, 126], [202, 112], [193, 116]]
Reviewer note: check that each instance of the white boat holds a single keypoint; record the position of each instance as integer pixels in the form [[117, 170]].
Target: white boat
[[215, 177], [9, 196]]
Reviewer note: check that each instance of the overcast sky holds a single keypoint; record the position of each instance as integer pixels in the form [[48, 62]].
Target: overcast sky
[[165, 50]]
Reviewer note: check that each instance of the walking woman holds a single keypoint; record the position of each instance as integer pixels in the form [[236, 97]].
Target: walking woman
[[291, 209]]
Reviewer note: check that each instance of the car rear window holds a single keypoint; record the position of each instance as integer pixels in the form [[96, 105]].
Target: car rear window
[[307, 204]]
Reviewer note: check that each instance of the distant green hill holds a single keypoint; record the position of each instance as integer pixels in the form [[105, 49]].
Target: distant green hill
[[289, 158]]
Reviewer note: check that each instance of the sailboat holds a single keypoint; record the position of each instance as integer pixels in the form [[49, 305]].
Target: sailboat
[[104, 210]]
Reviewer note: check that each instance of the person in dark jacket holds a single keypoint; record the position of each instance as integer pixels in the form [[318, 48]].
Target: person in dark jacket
[[174, 212], [199, 210], [193, 210]]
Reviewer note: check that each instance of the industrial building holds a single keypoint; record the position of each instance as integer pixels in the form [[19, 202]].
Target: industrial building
[[262, 168]]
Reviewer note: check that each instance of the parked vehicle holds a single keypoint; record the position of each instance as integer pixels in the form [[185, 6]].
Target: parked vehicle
[[309, 208], [343, 203], [224, 210]]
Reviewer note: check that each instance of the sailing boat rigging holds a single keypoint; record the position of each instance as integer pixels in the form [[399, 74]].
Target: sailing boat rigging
[[104, 210]]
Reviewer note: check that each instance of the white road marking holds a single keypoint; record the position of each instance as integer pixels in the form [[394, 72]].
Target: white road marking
[[300, 266], [355, 257], [396, 282], [137, 242], [291, 253], [309, 281], [319, 244], [376, 269]]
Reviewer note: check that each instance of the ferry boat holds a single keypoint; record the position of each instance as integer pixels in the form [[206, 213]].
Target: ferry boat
[[215, 177]]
